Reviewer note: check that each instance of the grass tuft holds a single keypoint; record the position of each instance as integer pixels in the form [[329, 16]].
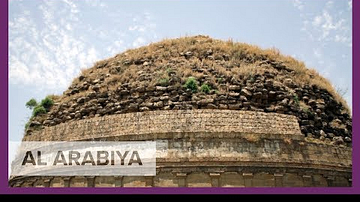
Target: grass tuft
[[191, 84]]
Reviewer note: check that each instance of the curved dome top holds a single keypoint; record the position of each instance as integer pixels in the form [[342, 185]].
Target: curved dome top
[[203, 73]]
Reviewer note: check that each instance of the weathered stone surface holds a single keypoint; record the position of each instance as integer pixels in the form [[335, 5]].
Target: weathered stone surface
[[312, 102], [234, 94], [322, 133], [269, 83], [113, 102], [338, 140], [232, 120], [133, 106], [272, 94], [188, 53], [159, 104], [246, 104], [246, 93], [234, 106], [211, 106], [205, 102], [289, 82], [164, 98], [144, 109], [223, 106], [257, 95], [234, 87], [161, 88], [34, 124], [238, 148], [243, 98]]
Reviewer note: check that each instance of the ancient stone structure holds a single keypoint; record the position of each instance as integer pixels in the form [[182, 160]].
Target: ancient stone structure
[[262, 128]]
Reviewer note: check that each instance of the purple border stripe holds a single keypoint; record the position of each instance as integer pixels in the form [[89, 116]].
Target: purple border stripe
[[4, 138], [4, 98], [184, 190], [355, 94]]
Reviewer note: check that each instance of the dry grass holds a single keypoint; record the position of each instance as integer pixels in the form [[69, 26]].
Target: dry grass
[[114, 80], [65, 99], [335, 124], [187, 72], [236, 59], [304, 107]]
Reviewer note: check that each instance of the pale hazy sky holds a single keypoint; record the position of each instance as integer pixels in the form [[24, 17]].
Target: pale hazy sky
[[51, 40]]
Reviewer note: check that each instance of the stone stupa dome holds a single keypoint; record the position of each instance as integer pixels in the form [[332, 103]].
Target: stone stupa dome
[[235, 114]]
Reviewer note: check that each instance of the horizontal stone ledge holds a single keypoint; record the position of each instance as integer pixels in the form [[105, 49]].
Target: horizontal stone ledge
[[245, 162], [171, 121], [253, 166], [200, 135]]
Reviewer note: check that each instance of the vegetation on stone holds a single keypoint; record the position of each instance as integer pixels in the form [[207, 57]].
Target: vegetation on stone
[[39, 110], [164, 81], [31, 103], [191, 84], [166, 76], [205, 88], [47, 103]]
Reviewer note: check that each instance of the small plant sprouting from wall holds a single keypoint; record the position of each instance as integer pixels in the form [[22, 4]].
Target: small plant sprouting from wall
[[304, 107], [191, 84], [251, 77], [27, 125], [169, 70], [39, 108], [205, 88], [47, 103], [31, 103], [164, 81], [296, 100]]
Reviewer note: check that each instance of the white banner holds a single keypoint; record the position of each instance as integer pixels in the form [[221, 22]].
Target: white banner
[[100, 158]]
